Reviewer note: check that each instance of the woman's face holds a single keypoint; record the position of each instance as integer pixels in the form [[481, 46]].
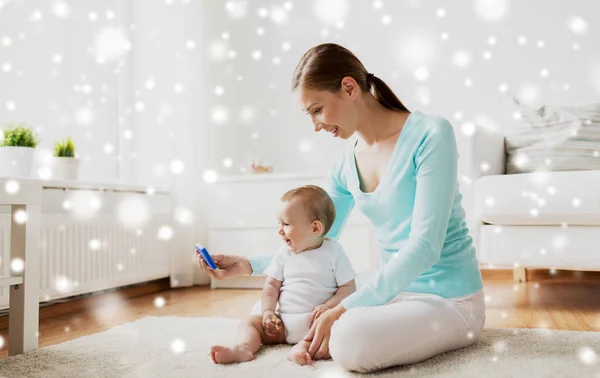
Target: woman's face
[[332, 112]]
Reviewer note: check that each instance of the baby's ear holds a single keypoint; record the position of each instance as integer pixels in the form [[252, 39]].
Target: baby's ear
[[317, 227]]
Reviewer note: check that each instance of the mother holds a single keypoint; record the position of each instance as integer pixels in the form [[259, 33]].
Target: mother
[[427, 297]]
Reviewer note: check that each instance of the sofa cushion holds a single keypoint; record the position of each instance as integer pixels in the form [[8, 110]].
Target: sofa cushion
[[549, 198], [554, 139]]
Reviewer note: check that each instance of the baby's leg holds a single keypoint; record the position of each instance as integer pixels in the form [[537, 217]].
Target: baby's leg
[[299, 353], [249, 338]]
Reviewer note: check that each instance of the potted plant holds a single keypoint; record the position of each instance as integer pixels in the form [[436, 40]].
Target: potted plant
[[66, 165], [16, 151]]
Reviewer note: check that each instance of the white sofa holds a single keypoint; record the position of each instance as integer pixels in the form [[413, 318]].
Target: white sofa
[[533, 220]]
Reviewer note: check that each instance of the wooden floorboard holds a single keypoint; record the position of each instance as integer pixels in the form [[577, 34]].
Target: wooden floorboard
[[550, 300]]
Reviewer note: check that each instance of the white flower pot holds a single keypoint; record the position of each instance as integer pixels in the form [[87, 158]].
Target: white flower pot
[[16, 161], [65, 168]]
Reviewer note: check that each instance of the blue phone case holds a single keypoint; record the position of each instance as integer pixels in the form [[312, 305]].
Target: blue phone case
[[205, 256]]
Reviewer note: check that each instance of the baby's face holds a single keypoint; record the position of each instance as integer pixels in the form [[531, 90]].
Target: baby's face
[[295, 227]]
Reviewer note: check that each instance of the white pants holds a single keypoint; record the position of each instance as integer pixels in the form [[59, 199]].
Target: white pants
[[412, 327]]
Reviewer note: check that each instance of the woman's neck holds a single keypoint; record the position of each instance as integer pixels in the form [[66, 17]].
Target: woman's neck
[[376, 123]]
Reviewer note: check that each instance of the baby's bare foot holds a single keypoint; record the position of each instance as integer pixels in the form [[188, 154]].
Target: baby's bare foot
[[225, 355]]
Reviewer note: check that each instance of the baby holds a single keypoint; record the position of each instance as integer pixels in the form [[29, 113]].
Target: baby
[[309, 275]]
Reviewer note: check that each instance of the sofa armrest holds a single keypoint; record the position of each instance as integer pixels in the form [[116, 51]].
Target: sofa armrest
[[480, 154], [485, 154]]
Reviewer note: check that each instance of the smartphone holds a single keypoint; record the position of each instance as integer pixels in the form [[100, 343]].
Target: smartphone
[[201, 250]]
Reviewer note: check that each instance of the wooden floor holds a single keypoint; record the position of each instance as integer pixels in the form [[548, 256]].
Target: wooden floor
[[563, 300]]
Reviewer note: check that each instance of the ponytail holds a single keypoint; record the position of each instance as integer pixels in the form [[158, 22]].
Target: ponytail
[[385, 95]]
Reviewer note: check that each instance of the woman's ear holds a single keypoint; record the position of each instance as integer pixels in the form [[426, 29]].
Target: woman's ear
[[349, 87], [317, 227]]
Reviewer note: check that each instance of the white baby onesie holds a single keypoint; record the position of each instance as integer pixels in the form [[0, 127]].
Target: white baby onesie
[[309, 279]]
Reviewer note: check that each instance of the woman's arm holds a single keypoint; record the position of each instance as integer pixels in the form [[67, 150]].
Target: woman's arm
[[436, 163], [260, 263]]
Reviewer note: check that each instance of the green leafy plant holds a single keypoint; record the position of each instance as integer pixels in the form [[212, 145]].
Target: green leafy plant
[[65, 149], [19, 136]]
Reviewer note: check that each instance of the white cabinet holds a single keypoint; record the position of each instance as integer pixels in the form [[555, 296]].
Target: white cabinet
[[242, 221]]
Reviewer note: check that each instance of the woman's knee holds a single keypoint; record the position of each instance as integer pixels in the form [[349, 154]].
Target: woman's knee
[[348, 343]]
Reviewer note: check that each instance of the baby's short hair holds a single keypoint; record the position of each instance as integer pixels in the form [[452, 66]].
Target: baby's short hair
[[316, 202]]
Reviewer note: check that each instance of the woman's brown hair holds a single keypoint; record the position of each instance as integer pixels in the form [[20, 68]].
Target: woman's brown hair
[[324, 66]]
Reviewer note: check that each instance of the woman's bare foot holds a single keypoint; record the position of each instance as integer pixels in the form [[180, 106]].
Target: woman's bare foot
[[302, 358], [225, 355], [299, 353]]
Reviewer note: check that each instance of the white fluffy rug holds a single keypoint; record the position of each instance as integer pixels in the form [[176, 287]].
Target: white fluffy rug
[[178, 347]]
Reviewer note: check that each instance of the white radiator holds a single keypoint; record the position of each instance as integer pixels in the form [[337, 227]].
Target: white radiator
[[83, 256]]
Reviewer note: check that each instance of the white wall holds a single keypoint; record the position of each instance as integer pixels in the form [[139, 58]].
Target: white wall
[[410, 45], [143, 99], [169, 138], [105, 73], [51, 79]]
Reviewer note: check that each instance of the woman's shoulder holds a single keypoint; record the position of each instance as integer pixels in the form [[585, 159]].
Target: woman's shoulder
[[432, 123], [432, 130]]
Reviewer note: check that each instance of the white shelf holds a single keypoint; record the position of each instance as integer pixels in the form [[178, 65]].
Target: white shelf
[[9, 281], [249, 177], [90, 185], [86, 185]]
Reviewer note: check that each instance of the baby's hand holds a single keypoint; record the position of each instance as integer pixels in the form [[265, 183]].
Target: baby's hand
[[271, 323], [318, 311]]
